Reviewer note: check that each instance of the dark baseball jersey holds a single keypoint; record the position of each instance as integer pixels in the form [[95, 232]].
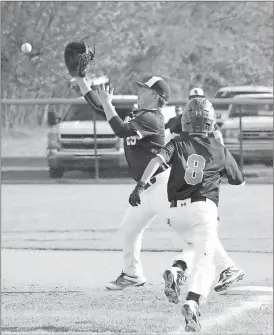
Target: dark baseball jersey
[[198, 164], [174, 124], [143, 131], [149, 127]]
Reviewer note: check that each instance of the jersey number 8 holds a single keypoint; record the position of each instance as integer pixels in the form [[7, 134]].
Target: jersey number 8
[[195, 169], [131, 140]]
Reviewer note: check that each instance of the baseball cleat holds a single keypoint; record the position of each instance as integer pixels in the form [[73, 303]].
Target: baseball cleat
[[124, 281], [191, 313], [174, 278], [228, 277]]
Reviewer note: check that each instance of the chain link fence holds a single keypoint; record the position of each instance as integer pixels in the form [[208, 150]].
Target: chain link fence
[[66, 136]]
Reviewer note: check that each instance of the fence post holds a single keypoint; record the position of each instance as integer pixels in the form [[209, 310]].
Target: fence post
[[241, 139], [95, 148]]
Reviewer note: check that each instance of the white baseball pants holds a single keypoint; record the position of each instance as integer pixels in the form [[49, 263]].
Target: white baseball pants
[[137, 219], [197, 225]]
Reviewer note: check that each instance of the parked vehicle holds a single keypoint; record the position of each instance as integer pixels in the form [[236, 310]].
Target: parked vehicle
[[71, 144], [229, 92], [257, 129]]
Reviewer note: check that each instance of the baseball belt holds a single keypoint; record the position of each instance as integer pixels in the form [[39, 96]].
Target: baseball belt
[[174, 203]]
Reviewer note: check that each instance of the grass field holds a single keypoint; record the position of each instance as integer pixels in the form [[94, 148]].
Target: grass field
[[88, 216], [50, 292]]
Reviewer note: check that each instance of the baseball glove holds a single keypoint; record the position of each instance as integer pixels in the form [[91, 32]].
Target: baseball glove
[[77, 56], [134, 198]]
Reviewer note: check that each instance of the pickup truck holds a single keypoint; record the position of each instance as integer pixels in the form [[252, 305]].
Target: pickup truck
[[71, 144], [229, 92], [257, 129]]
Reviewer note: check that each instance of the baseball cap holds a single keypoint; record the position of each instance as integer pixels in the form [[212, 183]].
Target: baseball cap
[[157, 84], [196, 92]]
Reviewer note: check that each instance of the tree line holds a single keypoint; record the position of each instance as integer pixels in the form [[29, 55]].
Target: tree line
[[209, 44]]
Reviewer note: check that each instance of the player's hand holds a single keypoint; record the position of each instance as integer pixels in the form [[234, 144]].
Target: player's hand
[[135, 198], [105, 93]]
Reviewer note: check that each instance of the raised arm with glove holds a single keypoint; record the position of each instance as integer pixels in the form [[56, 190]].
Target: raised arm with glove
[[77, 56]]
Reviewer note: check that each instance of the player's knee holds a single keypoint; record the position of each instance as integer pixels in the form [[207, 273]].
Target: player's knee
[[132, 234]]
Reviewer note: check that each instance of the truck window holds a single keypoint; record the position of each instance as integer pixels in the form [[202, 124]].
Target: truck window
[[82, 113], [85, 113], [229, 95], [251, 110]]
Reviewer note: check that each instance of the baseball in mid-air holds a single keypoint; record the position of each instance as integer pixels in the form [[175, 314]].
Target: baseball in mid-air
[[26, 48]]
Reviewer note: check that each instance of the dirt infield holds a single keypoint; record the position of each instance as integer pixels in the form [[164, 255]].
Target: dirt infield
[[63, 292]]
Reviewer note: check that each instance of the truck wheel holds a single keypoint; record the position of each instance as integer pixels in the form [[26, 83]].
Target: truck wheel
[[56, 172], [268, 163]]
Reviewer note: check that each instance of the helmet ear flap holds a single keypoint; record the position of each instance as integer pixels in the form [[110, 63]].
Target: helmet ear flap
[[210, 123]]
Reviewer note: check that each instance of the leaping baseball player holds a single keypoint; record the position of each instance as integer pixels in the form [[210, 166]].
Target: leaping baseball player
[[198, 163]]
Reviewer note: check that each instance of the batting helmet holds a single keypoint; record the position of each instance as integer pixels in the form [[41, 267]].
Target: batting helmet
[[198, 116], [196, 92]]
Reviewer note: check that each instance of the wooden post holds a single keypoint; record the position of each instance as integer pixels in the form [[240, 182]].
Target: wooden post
[[241, 139], [95, 148]]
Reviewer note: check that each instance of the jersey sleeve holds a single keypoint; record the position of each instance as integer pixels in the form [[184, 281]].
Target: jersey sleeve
[[167, 152], [92, 100], [218, 136], [120, 128], [232, 170], [145, 124], [176, 125]]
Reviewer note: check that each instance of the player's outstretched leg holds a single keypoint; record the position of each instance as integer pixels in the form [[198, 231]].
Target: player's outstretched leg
[[228, 277], [124, 281], [202, 276], [131, 229], [174, 278], [229, 273]]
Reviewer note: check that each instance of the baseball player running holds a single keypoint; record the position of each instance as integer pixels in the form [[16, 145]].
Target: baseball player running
[[227, 269], [198, 163]]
